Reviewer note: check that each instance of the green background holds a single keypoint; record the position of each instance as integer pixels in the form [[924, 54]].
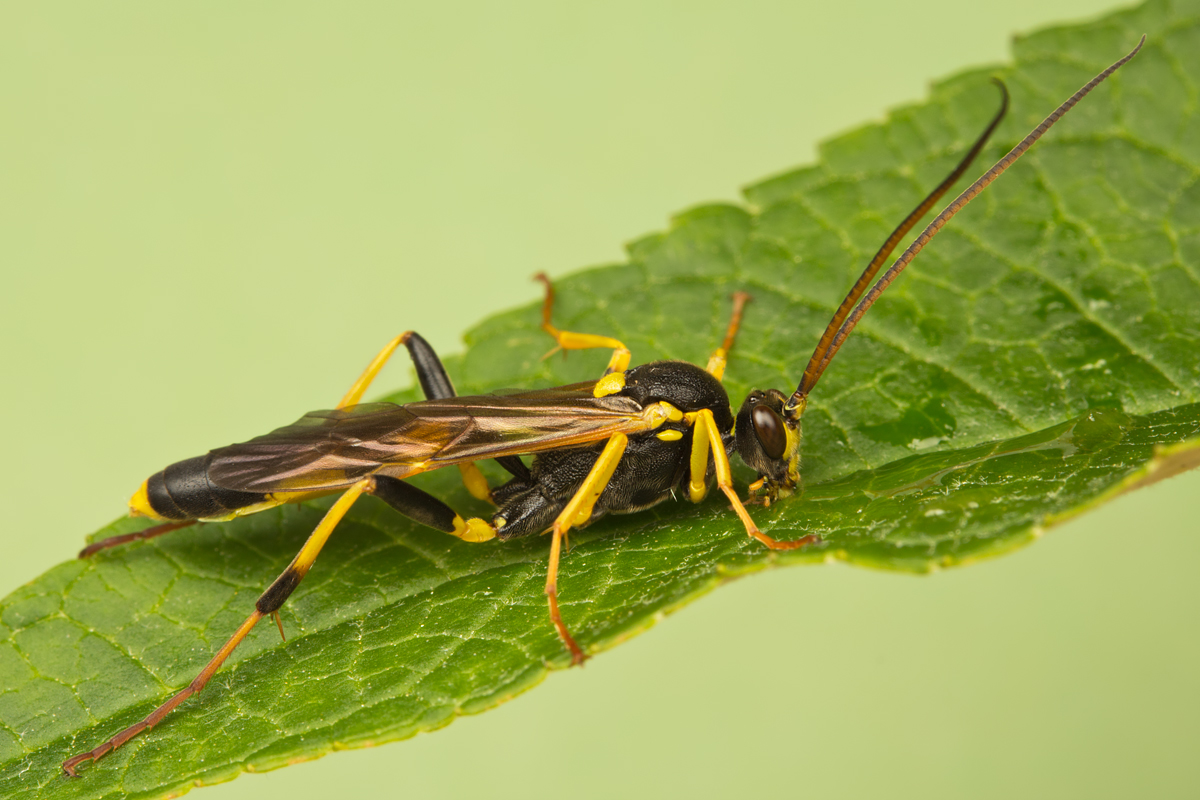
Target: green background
[[212, 217]]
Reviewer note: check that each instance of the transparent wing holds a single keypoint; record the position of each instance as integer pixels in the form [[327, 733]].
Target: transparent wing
[[331, 449]]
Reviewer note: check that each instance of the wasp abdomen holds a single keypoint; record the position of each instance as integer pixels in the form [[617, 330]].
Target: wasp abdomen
[[183, 491]]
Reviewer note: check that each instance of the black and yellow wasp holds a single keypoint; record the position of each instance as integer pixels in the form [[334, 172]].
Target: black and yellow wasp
[[619, 444]]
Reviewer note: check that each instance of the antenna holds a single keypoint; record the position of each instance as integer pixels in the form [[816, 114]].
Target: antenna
[[813, 370], [842, 324]]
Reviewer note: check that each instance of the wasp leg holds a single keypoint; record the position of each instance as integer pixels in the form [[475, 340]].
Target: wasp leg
[[716, 362], [146, 533], [475, 482], [430, 372], [436, 385], [426, 509], [698, 464], [578, 511], [269, 603], [706, 429], [568, 340]]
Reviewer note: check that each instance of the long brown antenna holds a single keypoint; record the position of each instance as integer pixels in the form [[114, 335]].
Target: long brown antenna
[[813, 373]]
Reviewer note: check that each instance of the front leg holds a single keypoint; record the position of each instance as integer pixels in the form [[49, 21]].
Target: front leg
[[706, 437]]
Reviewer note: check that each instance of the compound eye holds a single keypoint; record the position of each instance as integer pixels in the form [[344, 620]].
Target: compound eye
[[768, 427]]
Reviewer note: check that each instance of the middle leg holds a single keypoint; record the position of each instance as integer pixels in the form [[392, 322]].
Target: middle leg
[[569, 340], [716, 362]]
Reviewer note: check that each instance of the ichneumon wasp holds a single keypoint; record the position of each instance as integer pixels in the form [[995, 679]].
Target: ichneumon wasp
[[620, 444]]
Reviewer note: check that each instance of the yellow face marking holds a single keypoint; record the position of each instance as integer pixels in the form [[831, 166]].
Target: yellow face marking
[[670, 435], [792, 454], [139, 504], [609, 384]]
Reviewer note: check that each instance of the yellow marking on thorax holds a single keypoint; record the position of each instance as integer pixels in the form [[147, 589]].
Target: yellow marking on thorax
[[673, 413], [670, 435], [652, 416], [609, 384]]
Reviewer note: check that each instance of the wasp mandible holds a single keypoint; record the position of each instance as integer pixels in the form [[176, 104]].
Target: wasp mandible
[[619, 444]]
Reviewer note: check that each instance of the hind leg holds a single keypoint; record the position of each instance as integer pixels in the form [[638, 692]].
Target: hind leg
[[146, 533], [435, 383], [408, 500], [426, 509], [268, 604]]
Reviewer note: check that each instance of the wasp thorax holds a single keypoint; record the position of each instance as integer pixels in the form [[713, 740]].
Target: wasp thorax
[[768, 440]]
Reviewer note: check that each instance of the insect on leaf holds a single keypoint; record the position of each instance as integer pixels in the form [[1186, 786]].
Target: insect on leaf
[[1037, 359]]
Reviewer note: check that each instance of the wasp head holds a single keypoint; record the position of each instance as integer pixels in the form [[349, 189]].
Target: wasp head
[[767, 436]]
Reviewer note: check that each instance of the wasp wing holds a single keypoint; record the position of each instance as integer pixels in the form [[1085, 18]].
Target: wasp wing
[[332, 449]]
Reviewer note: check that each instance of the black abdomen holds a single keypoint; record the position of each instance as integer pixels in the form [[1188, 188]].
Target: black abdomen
[[183, 491]]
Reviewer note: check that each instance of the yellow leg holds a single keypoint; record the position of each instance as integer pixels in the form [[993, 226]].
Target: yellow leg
[[473, 479], [576, 512], [268, 604], [706, 427], [698, 466], [716, 363], [476, 484], [354, 396], [568, 340], [473, 530], [308, 554]]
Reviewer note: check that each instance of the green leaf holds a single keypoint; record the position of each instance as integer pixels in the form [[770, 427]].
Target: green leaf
[[1038, 359]]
